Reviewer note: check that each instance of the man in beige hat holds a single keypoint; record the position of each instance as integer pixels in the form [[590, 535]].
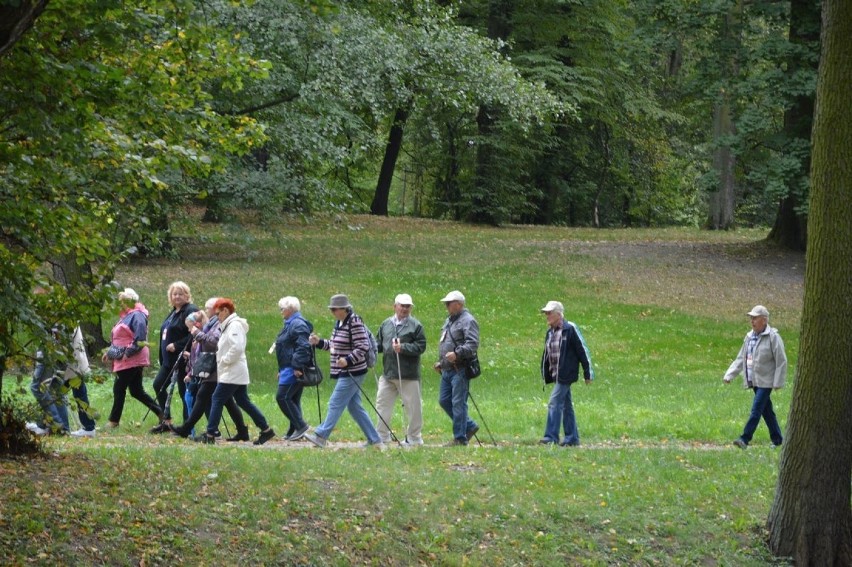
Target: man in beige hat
[[458, 346], [402, 342], [763, 364], [565, 351]]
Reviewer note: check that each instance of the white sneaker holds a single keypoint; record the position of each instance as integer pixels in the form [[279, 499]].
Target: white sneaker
[[31, 426], [39, 431], [82, 433], [412, 443]]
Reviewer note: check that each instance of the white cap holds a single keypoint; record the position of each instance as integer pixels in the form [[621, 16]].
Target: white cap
[[453, 296], [759, 311], [403, 299], [553, 306]]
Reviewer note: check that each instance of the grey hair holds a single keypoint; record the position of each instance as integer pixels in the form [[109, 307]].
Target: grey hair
[[210, 302], [128, 293], [289, 302]]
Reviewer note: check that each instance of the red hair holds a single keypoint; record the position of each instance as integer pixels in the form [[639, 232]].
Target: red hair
[[225, 303]]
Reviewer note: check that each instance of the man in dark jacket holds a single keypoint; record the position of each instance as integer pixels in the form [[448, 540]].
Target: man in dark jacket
[[564, 351]]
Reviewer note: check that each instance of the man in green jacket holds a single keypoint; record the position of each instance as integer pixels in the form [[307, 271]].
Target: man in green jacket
[[402, 342]]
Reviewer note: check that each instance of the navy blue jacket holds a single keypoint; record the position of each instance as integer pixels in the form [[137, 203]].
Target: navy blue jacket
[[573, 352], [291, 346]]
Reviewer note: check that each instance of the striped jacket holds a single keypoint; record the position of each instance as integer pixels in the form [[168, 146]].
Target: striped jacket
[[348, 340]]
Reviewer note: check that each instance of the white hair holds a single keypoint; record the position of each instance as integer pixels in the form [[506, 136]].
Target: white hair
[[291, 303], [128, 293], [210, 302]]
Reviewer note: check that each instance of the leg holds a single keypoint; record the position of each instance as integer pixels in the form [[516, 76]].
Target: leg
[[462, 423], [119, 394], [569, 421], [134, 383], [772, 422], [242, 398], [221, 394], [45, 394], [385, 400], [236, 414], [182, 390], [202, 401], [413, 409], [761, 396], [445, 394], [360, 415], [161, 387], [296, 402], [343, 392], [555, 410], [282, 397], [81, 396]]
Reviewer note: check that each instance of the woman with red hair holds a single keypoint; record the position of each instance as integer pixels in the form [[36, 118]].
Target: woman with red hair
[[233, 375]]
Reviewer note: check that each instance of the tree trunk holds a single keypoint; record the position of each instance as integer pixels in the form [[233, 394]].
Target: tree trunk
[[15, 19], [791, 227], [69, 274], [811, 516], [722, 200], [383, 186]]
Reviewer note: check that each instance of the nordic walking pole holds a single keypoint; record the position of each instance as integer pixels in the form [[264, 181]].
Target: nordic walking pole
[[401, 397], [363, 393], [482, 419]]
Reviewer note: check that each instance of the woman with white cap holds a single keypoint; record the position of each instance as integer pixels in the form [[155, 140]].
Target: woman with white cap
[[763, 364]]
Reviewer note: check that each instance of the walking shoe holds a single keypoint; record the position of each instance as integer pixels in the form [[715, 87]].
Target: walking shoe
[[83, 433], [471, 432], [375, 445], [178, 431], [264, 436], [570, 444], [316, 439], [161, 427], [740, 443], [40, 431], [456, 443], [412, 442], [299, 433], [241, 435], [31, 426], [207, 439], [111, 425], [547, 441]]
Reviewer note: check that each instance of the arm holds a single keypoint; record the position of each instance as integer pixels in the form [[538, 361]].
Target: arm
[[237, 344], [467, 350], [578, 343], [360, 343], [417, 346], [780, 362], [138, 323], [302, 351], [736, 366]]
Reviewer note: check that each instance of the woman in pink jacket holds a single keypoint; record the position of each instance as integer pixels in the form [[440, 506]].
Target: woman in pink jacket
[[129, 355]]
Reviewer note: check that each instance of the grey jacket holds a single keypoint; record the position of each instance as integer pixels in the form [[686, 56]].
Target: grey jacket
[[460, 334], [770, 361], [412, 339]]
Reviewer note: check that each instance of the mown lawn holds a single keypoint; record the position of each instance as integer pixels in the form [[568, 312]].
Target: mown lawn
[[655, 482]]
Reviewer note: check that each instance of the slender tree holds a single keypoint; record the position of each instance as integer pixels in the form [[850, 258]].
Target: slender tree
[[811, 517]]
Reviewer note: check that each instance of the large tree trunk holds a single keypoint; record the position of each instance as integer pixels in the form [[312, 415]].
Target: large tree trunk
[[811, 516], [383, 186], [791, 226], [721, 214]]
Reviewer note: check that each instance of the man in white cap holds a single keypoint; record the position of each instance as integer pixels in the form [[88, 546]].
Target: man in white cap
[[402, 341], [458, 346], [565, 351], [763, 364]]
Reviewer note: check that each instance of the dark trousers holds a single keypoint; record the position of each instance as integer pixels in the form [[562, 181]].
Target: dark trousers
[[130, 379], [201, 407], [161, 388], [289, 398]]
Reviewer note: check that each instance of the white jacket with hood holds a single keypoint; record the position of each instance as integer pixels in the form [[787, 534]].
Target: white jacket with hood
[[231, 356]]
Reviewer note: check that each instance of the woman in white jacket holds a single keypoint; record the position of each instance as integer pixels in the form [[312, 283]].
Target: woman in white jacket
[[233, 375], [763, 364]]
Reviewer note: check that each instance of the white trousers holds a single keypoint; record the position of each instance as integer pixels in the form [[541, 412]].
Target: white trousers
[[389, 391]]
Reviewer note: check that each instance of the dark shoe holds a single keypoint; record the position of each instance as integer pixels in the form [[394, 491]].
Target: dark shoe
[[547, 441], [242, 435], [161, 427], [178, 431], [471, 432], [264, 436], [217, 434], [740, 443], [298, 434], [456, 443], [569, 444], [208, 439]]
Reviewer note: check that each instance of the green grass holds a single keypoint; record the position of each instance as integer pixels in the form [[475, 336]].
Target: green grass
[[656, 481]]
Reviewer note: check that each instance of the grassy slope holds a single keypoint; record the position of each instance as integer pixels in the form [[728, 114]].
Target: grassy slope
[[656, 481]]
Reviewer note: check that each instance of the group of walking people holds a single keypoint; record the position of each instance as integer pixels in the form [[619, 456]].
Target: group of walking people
[[202, 354]]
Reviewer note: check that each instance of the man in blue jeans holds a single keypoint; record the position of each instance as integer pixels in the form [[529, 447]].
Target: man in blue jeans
[[565, 351], [763, 364], [458, 346]]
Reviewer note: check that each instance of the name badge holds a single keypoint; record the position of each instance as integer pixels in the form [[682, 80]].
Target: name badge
[[164, 333], [749, 362]]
